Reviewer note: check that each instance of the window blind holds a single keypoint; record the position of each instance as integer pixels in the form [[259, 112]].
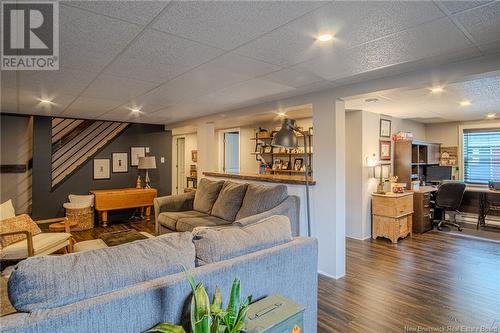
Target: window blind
[[481, 155]]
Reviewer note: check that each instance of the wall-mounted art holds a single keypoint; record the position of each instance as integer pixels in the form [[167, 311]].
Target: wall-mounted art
[[101, 168], [385, 128], [385, 150], [135, 153], [120, 162]]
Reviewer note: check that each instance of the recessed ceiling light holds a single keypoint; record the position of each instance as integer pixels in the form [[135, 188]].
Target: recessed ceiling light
[[437, 90], [465, 103], [45, 101], [135, 110], [325, 37], [281, 114], [491, 115]]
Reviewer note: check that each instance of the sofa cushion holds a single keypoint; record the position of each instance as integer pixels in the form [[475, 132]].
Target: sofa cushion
[[261, 198], [169, 219], [189, 223], [216, 244], [21, 222], [7, 210], [229, 201], [206, 194], [43, 244], [51, 281]]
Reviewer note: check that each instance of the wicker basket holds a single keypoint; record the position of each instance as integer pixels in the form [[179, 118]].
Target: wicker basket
[[83, 216]]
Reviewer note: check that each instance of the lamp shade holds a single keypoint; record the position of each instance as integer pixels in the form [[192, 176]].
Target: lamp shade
[[148, 162], [285, 137]]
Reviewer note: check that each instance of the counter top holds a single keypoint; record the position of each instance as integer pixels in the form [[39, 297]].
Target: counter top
[[392, 195], [424, 189], [282, 179]]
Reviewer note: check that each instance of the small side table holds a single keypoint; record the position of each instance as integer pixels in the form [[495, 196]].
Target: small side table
[[392, 215]]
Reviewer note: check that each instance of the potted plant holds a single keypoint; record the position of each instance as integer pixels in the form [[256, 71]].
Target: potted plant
[[212, 318]]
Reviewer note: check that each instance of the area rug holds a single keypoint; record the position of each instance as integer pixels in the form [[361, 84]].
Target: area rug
[[121, 237]]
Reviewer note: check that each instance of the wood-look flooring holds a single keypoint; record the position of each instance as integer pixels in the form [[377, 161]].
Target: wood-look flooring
[[432, 280]]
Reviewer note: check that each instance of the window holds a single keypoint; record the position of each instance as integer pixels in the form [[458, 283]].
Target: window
[[481, 155]]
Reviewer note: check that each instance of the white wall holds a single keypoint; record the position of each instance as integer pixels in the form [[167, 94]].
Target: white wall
[[190, 144]]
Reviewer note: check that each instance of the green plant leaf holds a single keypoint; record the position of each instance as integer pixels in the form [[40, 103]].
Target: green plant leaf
[[234, 304], [166, 328], [217, 301], [202, 325], [189, 277]]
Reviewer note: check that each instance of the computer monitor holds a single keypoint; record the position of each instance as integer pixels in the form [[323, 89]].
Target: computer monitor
[[438, 173]]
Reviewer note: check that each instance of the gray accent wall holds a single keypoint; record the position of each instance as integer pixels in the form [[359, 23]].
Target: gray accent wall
[[48, 203]]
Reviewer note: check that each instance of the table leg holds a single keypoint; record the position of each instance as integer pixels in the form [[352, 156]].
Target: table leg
[[105, 218], [481, 218], [148, 213]]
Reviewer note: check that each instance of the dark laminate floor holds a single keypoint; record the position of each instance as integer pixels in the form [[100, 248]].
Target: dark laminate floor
[[431, 280]]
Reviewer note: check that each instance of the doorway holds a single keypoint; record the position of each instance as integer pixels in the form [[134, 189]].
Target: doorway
[[231, 152], [180, 165]]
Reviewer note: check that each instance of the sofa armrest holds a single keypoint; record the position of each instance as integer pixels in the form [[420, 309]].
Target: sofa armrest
[[29, 239], [289, 207], [173, 203]]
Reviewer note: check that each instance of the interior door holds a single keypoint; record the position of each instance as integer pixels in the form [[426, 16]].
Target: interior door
[[181, 165], [232, 152]]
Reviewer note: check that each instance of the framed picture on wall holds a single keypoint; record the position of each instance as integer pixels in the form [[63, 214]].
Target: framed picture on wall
[[101, 168], [135, 153], [385, 128], [120, 162], [194, 156], [385, 150]]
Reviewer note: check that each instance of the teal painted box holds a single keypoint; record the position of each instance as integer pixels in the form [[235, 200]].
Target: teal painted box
[[275, 314]]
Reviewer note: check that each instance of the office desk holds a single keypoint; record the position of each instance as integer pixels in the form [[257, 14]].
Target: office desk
[[485, 205]]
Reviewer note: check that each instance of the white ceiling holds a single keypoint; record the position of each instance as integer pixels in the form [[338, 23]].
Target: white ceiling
[[425, 106], [180, 60]]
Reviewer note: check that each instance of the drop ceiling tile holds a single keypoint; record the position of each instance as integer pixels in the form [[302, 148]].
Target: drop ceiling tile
[[125, 112], [109, 86], [140, 12], [227, 24], [293, 78], [29, 102], [242, 65], [439, 38], [351, 22], [87, 107], [62, 81], [482, 23], [248, 90], [461, 5], [159, 57], [89, 41], [8, 79]]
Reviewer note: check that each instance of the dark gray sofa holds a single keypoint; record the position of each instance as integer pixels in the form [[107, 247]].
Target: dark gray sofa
[[224, 203]]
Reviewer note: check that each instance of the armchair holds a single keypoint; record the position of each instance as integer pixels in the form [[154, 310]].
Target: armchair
[[35, 242]]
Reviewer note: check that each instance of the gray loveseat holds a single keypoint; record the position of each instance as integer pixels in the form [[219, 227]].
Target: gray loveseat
[[132, 287], [224, 203]]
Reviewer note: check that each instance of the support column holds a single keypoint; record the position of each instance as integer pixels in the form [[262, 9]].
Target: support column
[[207, 148], [328, 205]]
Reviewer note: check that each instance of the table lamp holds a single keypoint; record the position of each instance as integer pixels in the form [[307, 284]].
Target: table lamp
[[287, 138], [146, 163], [382, 172]]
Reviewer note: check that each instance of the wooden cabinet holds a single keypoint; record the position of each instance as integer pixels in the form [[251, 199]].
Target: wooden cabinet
[[433, 153], [392, 215], [422, 221], [411, 159]]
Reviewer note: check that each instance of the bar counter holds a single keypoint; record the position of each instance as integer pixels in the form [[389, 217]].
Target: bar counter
[[282, 179]]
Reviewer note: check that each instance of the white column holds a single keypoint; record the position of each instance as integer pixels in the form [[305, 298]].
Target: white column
[[207, 148], [328, 224]]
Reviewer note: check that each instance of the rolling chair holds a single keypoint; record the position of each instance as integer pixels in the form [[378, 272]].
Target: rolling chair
[[448, 198]]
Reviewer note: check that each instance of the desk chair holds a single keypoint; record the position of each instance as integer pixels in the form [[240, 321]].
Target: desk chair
[[448, 198]]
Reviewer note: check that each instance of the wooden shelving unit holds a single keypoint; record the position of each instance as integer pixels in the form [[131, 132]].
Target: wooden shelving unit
[[411, 159], [284, 156]]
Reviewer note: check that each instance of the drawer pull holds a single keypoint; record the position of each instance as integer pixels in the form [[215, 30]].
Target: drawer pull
[[426, 206]]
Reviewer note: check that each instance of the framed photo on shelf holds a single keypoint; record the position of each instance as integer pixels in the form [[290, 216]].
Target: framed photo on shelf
[[120, 162], [385, 128], [101, 169], [277, 164], [268, 149], [284, 165], [297, 164], [385, 150], [135, 153]]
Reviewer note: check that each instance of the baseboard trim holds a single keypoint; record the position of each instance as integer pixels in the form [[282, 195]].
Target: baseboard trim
[[330, 276], [357, 238]]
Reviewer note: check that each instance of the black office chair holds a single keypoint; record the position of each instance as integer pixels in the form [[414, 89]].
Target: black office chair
[[448, 198]]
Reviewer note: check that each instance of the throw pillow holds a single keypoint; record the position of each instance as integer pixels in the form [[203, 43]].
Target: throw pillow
[[7, 210], [216, 244], [261, 198], [17, 223], [229, 201], [206, 194]]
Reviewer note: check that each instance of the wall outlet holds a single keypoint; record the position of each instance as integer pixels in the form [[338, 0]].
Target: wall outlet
[[147, 149], [162, 159]]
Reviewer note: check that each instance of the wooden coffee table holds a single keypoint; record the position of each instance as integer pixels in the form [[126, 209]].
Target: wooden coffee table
[[123, 198]]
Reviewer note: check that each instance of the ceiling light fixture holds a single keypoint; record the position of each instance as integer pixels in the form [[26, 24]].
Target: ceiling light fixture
[[325, 38], [135, 110], [465, 103], [281, 114], [491, 115], [437, 90], [45, 101]]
